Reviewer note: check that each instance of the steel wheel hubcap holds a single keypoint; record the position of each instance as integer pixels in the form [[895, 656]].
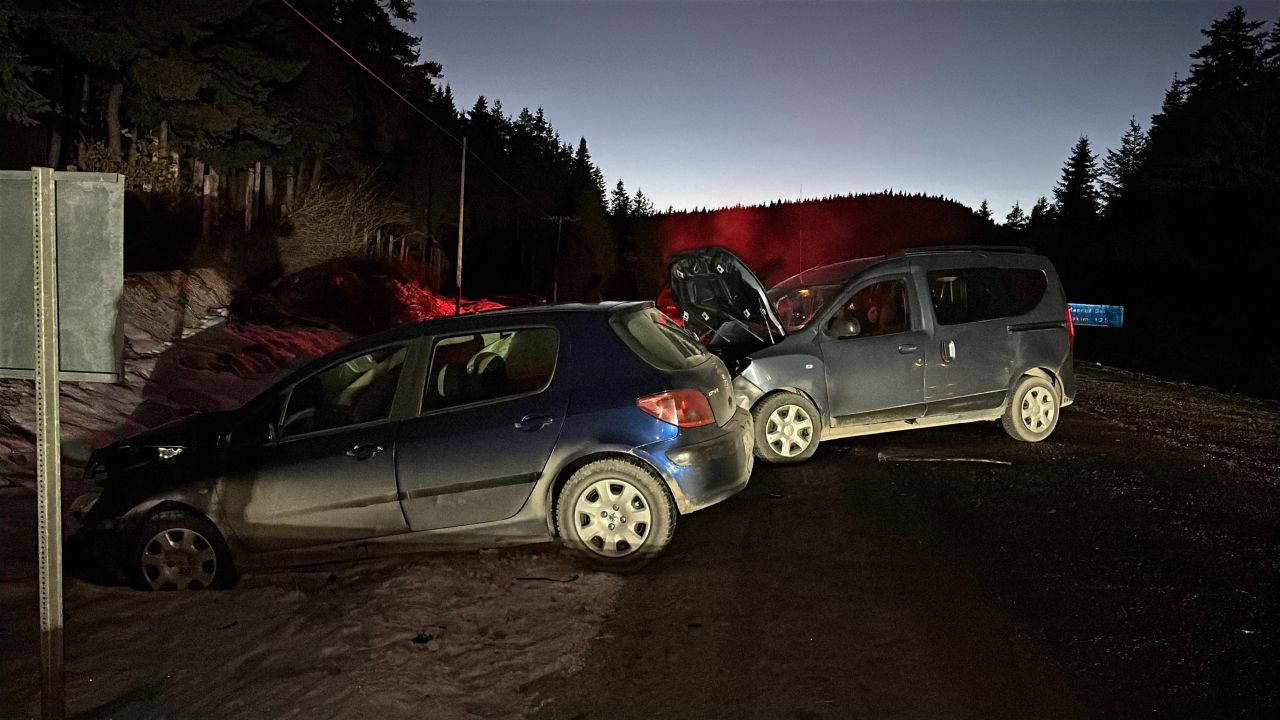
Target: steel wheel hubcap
[[789, 430], [1038, 409], [179, 559], [612, 517]]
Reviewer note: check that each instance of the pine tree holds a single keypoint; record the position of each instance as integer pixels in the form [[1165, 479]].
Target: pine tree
[[1271, 51], [984, 210], [1232, 59], [1121, 167], [20, 102], [1016, 219], [1076, 194], [1040, 212], [619, 202], [641, 205], [1175, 100]]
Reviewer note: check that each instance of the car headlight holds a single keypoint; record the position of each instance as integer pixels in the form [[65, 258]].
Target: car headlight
[[168, 452]]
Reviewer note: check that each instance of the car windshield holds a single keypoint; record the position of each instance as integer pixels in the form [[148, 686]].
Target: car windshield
[[798, 299], [797, 307]]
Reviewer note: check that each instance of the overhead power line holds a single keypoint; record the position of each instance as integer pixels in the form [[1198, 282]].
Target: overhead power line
[[412, 106]]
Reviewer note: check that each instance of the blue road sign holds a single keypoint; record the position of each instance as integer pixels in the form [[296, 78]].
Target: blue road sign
[[1097, 315]]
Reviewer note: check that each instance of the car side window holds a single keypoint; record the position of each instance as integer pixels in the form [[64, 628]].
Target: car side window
[[478, 367], [976, 294], [355, 391], [879, 308]]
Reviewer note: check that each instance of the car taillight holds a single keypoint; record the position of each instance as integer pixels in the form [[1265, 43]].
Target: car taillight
[[1071, 330], [684, 408]]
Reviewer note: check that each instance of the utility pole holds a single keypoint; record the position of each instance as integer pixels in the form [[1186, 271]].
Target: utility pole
[[559, 220], [800, 209], [462, 196]]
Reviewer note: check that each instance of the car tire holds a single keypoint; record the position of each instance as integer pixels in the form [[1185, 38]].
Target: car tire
[[787, 427], [179, 550], [1033, 410], [615, 515]]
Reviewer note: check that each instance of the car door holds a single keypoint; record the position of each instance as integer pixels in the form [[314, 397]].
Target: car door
[[972, 360], [491, 412], [327, 474], [873, 349]]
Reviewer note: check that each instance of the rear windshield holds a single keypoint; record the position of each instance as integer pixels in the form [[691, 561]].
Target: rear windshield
[[656, 338], [975, 294]]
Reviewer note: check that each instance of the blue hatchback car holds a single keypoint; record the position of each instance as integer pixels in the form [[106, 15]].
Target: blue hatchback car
[[597, 424]]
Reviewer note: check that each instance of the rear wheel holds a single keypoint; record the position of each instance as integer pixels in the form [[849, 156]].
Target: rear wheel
[[787, 427], [178, 550], [1032, 413], [615, 514]]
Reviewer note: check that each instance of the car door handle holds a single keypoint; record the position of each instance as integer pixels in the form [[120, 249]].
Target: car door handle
[[364, 451], [907, 349], [530, 423], [949, 351]]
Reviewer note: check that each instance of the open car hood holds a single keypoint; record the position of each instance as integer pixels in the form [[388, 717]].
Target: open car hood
[[719, 297]]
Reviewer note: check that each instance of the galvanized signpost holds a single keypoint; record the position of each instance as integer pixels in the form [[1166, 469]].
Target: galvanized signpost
[[75, 235]]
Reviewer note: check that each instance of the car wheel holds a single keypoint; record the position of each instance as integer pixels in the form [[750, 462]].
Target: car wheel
[[178, 550], [788, 428], [1033, 410], [615, 514]]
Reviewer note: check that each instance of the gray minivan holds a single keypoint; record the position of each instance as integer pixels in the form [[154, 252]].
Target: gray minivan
[[921, 338]]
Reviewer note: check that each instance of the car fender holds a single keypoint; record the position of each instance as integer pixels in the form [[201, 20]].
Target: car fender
[[200, 498], [803, 374], [1034, 371]]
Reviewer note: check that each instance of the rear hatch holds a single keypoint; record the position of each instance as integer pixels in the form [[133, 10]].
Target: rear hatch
[[660, 342], [721, 300]]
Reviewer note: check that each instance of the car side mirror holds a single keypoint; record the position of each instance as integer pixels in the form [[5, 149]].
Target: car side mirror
[[254, 434], [844, 328]]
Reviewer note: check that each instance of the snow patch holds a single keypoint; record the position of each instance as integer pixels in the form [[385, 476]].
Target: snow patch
[[443, 636]]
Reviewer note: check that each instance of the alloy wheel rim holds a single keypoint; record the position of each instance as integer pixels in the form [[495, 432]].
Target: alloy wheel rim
[[789, 430], [1038, 409], [179, 559], [612, 517]]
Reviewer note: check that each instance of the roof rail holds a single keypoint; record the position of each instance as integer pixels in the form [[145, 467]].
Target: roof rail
[[967, 249]]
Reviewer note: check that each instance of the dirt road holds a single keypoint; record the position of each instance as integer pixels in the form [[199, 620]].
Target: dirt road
[[1128, 566]]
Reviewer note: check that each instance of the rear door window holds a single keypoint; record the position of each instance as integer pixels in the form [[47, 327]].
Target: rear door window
[[975, 294], [658, 340], [479, 367]]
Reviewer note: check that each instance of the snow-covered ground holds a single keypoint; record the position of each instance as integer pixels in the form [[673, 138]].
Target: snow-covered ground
[[440, 636]]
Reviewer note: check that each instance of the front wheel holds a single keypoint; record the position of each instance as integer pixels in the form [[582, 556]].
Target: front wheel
[[615, 514], [178, 550], [787, 427], [1032, 413]]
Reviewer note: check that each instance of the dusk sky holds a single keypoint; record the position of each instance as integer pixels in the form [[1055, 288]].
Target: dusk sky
[[718, 103]]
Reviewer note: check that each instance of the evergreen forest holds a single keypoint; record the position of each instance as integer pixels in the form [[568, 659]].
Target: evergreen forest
[[249, 137]]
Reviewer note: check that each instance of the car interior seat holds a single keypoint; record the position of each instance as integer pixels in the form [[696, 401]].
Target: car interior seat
[[487, 376], [531, 359], [377, 389]]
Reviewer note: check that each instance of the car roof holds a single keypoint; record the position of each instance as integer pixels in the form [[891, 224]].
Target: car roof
[[839, 272], [480, 321]]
